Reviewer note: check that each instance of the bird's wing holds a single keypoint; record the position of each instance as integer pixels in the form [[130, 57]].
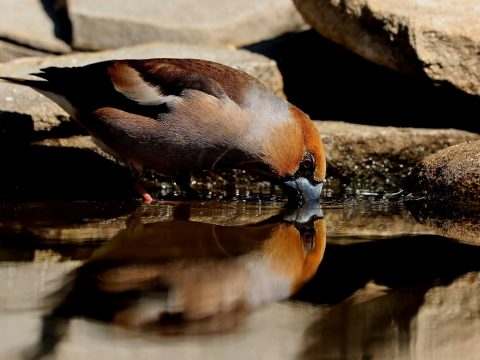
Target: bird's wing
[[155, 81]]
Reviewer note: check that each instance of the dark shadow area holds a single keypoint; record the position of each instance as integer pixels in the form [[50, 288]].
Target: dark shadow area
[[57, 11], [48, 173], [65, 129], [331, 83], [410, 261], [15, 130]]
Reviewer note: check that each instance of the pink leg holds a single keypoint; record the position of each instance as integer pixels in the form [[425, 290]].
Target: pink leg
[[140, 189]]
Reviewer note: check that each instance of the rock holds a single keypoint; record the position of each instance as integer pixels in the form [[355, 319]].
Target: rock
[[368, 159], [438, 40], [46, 115], [117, 23], [30, 23], [450, 176], [327, 81], [10, 51]]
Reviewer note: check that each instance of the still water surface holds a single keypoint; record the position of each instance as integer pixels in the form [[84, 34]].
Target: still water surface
[[236, 280]]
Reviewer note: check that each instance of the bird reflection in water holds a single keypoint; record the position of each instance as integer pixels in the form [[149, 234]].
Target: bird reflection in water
[[186, 277]]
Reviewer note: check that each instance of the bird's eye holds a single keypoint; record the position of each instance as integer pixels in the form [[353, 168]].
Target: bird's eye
[[308, 162]]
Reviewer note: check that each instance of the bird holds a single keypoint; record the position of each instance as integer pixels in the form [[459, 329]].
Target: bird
[[182, 116]]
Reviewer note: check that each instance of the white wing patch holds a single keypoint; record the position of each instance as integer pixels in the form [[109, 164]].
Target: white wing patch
[[129, 82]]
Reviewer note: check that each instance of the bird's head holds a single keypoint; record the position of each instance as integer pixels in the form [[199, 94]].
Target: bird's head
[[294, 153]]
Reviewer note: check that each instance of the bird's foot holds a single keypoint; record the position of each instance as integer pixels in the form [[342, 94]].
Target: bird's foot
[[141, 190]]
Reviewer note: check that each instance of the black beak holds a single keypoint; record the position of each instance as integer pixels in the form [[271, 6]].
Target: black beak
[[301, 190]]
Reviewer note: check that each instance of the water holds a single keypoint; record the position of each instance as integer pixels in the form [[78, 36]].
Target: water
[[357, 278]]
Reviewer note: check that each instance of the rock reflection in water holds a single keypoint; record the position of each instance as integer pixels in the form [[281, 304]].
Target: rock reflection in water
[[189, 277]]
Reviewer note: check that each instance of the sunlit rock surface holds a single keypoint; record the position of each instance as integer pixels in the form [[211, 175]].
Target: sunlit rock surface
[[437, 40], [28, 22], [10, 51], [214, 22]]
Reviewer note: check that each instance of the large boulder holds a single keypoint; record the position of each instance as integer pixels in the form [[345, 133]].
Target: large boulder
[[32, 23], [450, 176], [117, 23], [439, 40]]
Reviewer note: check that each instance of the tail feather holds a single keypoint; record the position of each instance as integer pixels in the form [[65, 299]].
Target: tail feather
[[36, 84], [49, 87]]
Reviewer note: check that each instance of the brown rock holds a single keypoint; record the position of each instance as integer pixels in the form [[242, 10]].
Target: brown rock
[[366, 159], [117, 23], [438, 40], [451, 176]]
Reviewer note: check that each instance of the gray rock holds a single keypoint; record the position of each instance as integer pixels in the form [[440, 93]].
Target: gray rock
[[450, 176], [439, 40], [46, 115], [116, 23], [369, 159], [29, 22], [10, 51]]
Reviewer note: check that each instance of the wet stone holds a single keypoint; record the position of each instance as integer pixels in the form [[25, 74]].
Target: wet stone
[[363, 159], [451, 176]]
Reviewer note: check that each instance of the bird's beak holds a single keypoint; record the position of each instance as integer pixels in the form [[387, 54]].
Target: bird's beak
[[303, 190]]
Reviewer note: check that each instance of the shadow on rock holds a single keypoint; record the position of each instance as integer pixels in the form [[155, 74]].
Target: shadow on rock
[[331, 83]]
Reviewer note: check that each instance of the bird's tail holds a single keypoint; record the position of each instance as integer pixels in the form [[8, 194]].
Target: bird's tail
[[36, 84], [51, 85]]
